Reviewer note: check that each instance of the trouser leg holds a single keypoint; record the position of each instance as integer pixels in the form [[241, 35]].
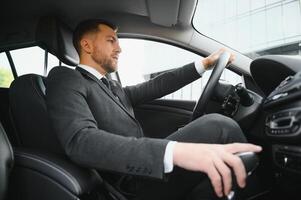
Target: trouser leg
[[211, 128]]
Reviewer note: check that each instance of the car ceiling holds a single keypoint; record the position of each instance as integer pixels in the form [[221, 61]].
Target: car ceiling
[[73, 11], [168, 20]]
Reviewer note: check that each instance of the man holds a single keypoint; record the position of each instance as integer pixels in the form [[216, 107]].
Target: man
[[95, 123]]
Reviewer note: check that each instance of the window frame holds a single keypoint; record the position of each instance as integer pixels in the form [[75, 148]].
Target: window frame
[[10, 59]]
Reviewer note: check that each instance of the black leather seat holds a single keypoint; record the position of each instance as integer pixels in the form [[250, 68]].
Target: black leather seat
[[6, 162], [38, 175], [29, 114], [39, 159]]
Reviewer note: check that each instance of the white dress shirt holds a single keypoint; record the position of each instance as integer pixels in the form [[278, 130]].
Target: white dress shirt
[[168, 156]]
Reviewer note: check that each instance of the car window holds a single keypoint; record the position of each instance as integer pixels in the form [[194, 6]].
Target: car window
[[52, 62], [29, 60], [141, 60], [254, 28], [6, 75], [32, 60]]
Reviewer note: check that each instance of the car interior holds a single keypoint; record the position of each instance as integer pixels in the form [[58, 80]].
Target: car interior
[[266, 104]]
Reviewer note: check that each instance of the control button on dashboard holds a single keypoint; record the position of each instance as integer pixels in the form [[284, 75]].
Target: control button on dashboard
[[295, 128]]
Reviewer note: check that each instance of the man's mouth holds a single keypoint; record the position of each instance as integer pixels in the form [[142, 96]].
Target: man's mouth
[[115, 57]]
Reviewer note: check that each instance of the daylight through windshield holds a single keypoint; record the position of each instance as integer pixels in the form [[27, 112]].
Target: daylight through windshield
[[252, 27]]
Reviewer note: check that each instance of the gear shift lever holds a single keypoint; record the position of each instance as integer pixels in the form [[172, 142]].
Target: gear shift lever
[[250, 161]]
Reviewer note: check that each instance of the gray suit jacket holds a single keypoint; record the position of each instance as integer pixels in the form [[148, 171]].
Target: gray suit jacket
[[99, 131]]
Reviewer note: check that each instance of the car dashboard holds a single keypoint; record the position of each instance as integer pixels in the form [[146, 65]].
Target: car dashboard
[[279, 77]]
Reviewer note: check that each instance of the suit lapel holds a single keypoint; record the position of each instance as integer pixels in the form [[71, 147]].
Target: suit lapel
[[117, 91], [105, 89]]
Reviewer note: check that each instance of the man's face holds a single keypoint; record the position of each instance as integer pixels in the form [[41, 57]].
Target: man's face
[[105, 48]]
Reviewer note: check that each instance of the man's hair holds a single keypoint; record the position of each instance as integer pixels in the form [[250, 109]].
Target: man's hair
[[88, 26]]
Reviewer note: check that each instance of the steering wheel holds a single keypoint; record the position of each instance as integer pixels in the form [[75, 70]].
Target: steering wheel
[[220, 64]]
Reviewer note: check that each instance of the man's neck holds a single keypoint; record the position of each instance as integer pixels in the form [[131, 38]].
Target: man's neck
[[96, 67], [91, 70], [91, 63]]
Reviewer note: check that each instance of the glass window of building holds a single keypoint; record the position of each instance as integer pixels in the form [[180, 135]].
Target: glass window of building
[[252, 27]]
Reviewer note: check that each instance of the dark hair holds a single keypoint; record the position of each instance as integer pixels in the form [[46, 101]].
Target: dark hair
[[87, 26]]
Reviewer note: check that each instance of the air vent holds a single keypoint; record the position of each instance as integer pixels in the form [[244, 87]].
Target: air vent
[[289, 88]]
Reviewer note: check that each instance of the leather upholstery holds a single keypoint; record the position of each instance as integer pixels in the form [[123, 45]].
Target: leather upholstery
[[43, 170], [29, 114], [6, 162], [59, 169]]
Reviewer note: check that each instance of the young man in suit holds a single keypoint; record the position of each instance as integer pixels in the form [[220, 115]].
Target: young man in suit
[[95, 123]]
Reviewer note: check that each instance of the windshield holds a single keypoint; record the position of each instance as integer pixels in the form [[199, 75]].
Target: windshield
[[252, 27]]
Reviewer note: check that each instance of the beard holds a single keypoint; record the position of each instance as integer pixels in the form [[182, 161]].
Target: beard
[[106, 63]]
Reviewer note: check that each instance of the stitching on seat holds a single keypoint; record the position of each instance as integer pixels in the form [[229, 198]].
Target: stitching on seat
[[69, 177]]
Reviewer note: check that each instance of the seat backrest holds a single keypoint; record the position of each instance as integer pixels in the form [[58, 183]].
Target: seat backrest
[[6, 162], [29, 114]]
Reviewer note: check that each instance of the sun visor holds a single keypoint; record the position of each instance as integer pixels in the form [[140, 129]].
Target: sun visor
[[164, 13], [56, 37]]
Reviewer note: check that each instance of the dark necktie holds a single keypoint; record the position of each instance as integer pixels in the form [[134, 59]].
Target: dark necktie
[[106, 82]]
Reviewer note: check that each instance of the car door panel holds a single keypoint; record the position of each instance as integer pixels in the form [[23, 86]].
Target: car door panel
[[160, 118]]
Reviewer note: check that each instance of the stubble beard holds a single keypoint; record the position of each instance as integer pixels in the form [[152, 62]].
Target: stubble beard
[[108, 65], [105, 63]]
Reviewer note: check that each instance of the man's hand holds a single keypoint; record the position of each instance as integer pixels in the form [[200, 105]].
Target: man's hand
[[216, 161], [209, 61]]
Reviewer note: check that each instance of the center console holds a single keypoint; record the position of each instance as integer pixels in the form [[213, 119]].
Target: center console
[[283, 123]]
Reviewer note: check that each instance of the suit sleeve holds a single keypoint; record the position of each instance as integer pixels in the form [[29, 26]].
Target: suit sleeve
[[162, 85], [85, 144]]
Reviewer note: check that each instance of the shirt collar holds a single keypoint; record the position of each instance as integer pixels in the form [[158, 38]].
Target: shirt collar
[[92, 71]]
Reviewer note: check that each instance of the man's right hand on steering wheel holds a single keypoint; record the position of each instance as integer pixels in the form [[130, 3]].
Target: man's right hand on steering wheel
[[219, 60], [210, 60]]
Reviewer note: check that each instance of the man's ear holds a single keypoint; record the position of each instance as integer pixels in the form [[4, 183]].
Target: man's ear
[[86, 45]]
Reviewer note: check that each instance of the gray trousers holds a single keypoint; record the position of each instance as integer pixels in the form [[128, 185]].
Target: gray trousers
[[183, 184]]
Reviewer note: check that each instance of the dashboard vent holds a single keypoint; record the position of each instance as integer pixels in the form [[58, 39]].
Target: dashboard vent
[[289, 88]]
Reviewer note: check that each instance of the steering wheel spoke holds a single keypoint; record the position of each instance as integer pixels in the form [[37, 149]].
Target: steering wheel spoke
[[220, 65]]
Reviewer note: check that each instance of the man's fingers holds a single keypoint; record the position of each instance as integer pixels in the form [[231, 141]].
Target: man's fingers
[[242, 147], [225, 172], [221, 50], [238, 167], [231, 59], [216, 181]]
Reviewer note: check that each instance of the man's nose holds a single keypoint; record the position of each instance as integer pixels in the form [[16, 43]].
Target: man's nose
[[118, 48]]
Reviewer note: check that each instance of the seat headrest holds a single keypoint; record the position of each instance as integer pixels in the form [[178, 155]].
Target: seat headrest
[[56, 37]]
